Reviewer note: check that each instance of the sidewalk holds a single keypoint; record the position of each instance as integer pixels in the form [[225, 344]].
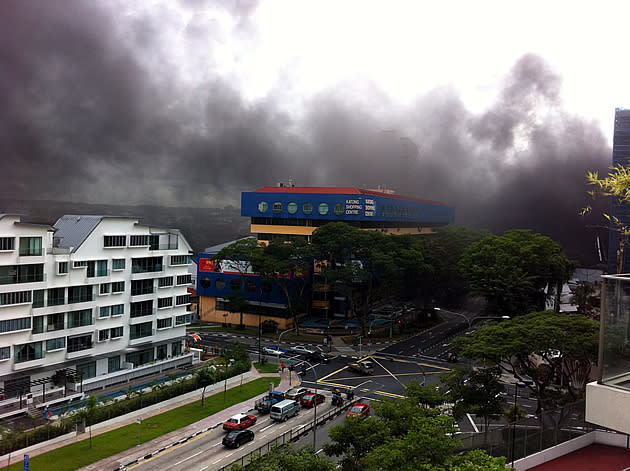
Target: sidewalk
[[147, 449]]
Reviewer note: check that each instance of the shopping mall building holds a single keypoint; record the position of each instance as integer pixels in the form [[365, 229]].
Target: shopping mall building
[[289, 212]]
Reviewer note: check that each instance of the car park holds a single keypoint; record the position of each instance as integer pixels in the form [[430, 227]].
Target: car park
[[274, 350], [311, 399], [362, 410], [296, 394], [239, 422], [302, 349], [236, 438]]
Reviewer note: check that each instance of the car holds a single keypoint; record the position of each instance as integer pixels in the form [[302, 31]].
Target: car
[[296, 394], [310, 399], [236, 438], [274, 350], [302, 349], [361, 410], [318, 357], [239, 422]]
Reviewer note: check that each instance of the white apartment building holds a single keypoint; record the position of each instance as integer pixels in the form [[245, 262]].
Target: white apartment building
[[104, 296]]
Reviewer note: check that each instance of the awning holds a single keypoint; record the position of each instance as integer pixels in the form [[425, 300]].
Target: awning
[[195, 336]]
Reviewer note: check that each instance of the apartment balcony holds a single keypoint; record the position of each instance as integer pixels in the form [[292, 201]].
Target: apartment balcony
[[143, 275], [81, 353], [320, 304], [25, 365], [142, 340], [142, 319]]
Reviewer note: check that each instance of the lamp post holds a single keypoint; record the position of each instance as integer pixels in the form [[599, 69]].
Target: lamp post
[[522, 383], [281, 334], [314, 407], [470, 320]]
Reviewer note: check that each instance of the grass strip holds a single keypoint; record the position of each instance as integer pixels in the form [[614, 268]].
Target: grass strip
[[266, 367], [79, 454]]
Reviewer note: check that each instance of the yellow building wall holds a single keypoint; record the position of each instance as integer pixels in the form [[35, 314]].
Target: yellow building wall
[[208, 312]]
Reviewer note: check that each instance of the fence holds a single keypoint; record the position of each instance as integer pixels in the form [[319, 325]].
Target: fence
[[531, 435], [288, 437]]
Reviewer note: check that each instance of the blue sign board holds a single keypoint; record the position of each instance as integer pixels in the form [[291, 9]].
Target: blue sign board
[[27, 464]]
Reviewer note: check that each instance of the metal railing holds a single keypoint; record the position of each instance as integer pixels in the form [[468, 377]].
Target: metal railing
[[290, 436]]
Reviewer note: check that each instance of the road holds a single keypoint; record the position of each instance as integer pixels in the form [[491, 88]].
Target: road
[[206, 452]]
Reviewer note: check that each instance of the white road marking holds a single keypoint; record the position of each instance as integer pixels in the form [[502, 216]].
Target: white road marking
[[215, 462], [263, 429], [186, 459], [202, 469], [472, 422], [216, 444]]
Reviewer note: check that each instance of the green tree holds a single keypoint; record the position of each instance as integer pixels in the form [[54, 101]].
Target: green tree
[[354, 439], [514, 271], [287, 458], [541, 346], [205, 377]]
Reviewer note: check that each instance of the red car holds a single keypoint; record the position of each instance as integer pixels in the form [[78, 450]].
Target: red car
[[239, 422], [310, 399], [362, 410]]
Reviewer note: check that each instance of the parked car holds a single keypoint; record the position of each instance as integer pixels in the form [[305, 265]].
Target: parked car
[[236, 438], [310, 399], [302, 349], [318, 357], [359, 410], [239, 422], [274, 350], [295, 394]]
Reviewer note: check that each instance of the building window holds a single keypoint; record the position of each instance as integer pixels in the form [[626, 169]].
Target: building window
[[118, 286], [183, 299], [38, 324], [164, 323], [267, 287], [30, 246], [118, 264], [176, 349], [105, 288], [116, 332], [11, 325], [7, 243], [339, 209], [118, 309], [77, 344], [114, 241], [17, 297], [56, 296], [165, 302], [55, 344], [104, 311], [13, 274], [79, 318], [165, 281], [140, 358], [139, 240], [184, 279], [180, 260], [80, 294], [5, 353], [251, 286], [292, 208], [103, 335], [62, 268], [323, 209], [38, 298], [80, 264], [28, 352], [146, 264], [143, 308], [113, 364], [138, 331], [235, 285], [263, 206], [139, 287], [184, 319], [101, 268], [161, 351], [220, 284], [277, 207], [87, 370], [54, 322], [307, 208]]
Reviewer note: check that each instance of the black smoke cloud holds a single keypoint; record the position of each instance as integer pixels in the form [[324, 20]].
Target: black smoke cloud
[[97, 111]]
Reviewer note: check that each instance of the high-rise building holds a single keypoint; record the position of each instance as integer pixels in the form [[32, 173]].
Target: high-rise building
[[101, 296], [620, 212]]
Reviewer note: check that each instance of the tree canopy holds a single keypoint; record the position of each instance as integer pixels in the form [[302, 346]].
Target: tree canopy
[[513, 271]]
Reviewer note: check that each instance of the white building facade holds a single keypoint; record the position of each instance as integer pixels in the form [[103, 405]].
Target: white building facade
[[103, 296]]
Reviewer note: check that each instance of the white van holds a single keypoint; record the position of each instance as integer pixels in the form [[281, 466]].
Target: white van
[[284, 410]]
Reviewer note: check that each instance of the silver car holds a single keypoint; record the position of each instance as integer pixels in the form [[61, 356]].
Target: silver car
[[302, 349]]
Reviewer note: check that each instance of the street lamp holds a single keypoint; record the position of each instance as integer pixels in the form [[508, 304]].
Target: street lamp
[[314, 408], [470, 320], [523, 383]]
